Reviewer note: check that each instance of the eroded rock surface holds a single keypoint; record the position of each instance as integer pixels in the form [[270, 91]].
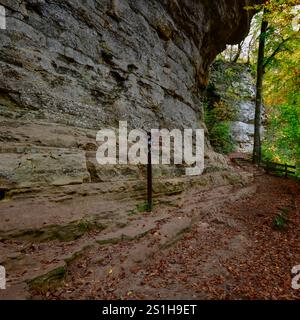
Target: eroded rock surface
[[71, 68]]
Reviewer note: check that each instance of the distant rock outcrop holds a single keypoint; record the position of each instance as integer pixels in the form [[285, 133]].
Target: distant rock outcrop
[[235, 84]]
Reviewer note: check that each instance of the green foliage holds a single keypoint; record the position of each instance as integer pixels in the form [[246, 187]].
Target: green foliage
[[140, 208], [282, 98], [281, 82], [221, 139], [282, 142], [217, 119], [279, 223], [281, 79], [281, 220]]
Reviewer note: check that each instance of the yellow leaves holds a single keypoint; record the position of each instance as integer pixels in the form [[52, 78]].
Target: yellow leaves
[[273, 149], [277, 159], [284, 79]]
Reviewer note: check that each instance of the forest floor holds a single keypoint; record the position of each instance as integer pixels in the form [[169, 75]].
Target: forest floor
[[232, 250]]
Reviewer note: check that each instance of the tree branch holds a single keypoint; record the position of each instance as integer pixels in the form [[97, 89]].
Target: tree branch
[[276, 51]]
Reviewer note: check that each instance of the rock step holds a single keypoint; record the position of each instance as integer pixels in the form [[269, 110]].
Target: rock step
[[48, 262], [44, 208]]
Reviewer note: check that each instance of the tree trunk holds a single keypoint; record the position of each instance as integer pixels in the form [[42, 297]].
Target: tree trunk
[[259, 91]]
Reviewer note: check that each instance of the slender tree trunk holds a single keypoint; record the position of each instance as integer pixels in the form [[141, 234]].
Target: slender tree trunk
[[259, 91]]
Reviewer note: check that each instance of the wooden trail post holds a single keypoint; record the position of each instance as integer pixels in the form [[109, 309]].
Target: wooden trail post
[[149, 175]]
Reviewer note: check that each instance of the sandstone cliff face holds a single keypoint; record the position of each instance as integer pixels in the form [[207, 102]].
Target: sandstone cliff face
[[70, 68]]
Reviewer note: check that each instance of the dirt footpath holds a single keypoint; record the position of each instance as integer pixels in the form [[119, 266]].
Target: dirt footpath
[[236, 241], [237, 250]]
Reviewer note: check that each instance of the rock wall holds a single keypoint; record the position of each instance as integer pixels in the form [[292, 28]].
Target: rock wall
[[234, 84], [70, 68]]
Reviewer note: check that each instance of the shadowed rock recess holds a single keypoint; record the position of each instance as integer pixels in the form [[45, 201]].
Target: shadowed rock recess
[[70, 68]]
